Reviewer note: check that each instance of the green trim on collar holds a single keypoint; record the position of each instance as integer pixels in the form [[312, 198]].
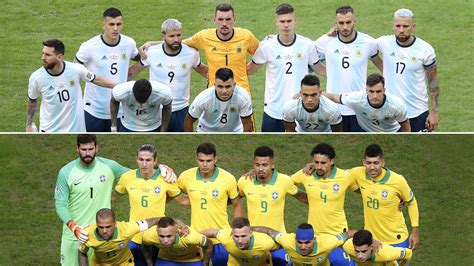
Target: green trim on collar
[[372, 256], [384, 178], [332, 174], [100, 238], [153, 177], [252, 240], [212, 178], [271, 182], [176, 240]]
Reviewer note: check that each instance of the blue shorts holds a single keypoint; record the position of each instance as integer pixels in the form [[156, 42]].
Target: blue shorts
[[94, 124], [270, 124], [417, 124], [163, 262], [350, 124], [122, 128], [219, 255], [177, 120], [338, 257], [279, 257], [137, 253]]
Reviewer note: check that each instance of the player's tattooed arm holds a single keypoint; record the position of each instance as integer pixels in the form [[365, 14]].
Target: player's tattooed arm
[[301, 196], [433, 118], [31, 110], [266, 230]]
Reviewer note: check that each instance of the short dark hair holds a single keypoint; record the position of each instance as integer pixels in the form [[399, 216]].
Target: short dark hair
[[165, 222], [105, 213], [57, 45], [224, 7], [310, 80], [362, 237], [263, 151], [224, 74], [284, 9], [148, 147], [305, 226], [373, 150], [324, 149], [142, 90], [374, 79], [206, 148], [86, 138], [240, 222], [344, 10], [112, 12]]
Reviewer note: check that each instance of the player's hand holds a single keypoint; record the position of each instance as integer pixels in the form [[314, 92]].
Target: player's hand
[[81, 234], [309, 169], [376, 245], [332, 32], [432, 121], [414, 238], [31, 128], [168, 173], [296, 96], [268, 37], [183, 229], [249, 174], [113, 129], [144, 49]]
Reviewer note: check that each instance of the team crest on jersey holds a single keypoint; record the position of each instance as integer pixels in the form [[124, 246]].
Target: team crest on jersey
[[114, 57], [413, 59], [232, 109], [256, 257], [384, 194], [102, 178], [298, 55], [124, 55], [319, 259], [358, 53], [121, 245], [275, 195], [183, 66], [335, 187], [71, 83], [386, 117], [239, 48], [215, 193], [157, 190]]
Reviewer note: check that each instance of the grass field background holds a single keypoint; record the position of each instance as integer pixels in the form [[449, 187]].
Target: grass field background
[[437, 167], [446, 25]]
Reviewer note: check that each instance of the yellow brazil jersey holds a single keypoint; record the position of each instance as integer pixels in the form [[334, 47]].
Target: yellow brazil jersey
[[258, 252], [326, 199], [184, 249], [114, 251], [323, 245], [147, 197], [209, 197], [385, 256], [231, 53], [266, 202], [381, 197]]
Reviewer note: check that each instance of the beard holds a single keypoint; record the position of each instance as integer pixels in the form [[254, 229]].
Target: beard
[[87, 159], [175, 46], [403, 38], [50, 65]]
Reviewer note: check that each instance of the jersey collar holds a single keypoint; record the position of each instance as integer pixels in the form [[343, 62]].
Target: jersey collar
[[309, 111], [382, 178], [286, 45], [271, 182], [383, 102], [407, 45], [212, 178], [60, 73], [153, 177], [332, 174], [351, 41], [217, 96], [232, 36], [171, 55], [111, 45], [99, 237], [86, 167]]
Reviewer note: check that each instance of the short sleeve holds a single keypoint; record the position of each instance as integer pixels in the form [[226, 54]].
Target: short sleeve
[[82, 56], [195, 41], [289, 112], [253, 43], [246, 108], [241, 185], [172, 190], [291, 188], [232, 191], [196, 108], [33, 90], [430, 58], [85, 74], [313, 58], [259, 55], [405, 190], [116, 168], [121, 185]]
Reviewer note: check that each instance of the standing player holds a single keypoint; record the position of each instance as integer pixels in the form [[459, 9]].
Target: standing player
[[244, 246], [326, 189], [58, 84], [209, 189], [108, 55], [346, 56], [305, 248], [147, 192], [382, 191], [361, 250], [266, 193], [146, 106], [287, 56], [171, 63], [312, 112], [110, 238], [176, 249], [408, 62], [376, 111], [225, 107]]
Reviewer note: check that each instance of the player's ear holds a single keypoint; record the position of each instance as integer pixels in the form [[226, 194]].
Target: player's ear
[[414, 26]]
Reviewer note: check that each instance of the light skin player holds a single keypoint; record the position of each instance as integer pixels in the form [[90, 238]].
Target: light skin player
[[148, 193], [376, 111], [245, 247], [210, 188], [109, 239], [176, 248], [68, 103]]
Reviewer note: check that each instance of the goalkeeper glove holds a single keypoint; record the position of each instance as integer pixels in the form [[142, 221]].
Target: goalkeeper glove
[[81, 234]]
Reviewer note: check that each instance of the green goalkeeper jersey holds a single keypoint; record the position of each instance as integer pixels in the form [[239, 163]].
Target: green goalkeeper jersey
[[81, 191]]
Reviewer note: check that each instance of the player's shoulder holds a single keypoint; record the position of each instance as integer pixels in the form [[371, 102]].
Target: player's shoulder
[[396, 177], [206, 95], [385, 39], [66, 169], [358, 171], [92, 42], [326, 103], [127, 39], [225, 174], [246, 33], [304, 39], [394, 101], [241, 93], [291, 104], [37, 74], [160, 87], [423, 44], [365, 37], [283, 178], [105, 161], [188, 173]]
